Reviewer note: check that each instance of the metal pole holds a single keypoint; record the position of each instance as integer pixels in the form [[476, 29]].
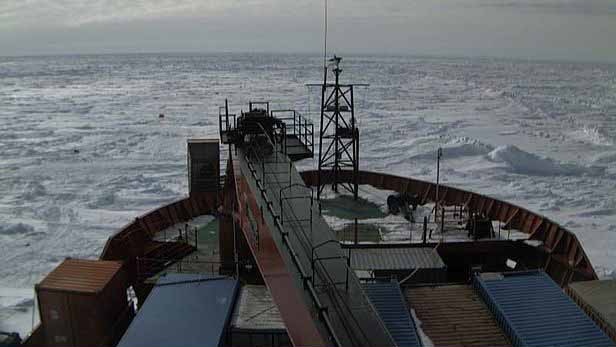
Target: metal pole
[[336, 139], [425, 228], [226, 114], [138, 268], [321, 138], [347, 270], [474, 220], [325, 46], [281, 209], [356, 225], [442, 220], [439, 153], [355, 139]]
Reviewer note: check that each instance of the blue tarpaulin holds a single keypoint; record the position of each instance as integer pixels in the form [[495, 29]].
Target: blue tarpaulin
[[534, 311], [183, 310]]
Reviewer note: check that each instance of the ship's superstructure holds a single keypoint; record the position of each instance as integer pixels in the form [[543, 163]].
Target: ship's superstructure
[[275, 273]]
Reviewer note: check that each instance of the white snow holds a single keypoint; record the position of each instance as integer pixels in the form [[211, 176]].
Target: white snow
[[521, 162], [82, 150], [425, 339]]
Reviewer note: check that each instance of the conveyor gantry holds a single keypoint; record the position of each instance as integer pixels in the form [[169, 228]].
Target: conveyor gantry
[[296, 252]]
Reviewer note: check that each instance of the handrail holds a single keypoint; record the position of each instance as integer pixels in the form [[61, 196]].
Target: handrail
[[570, 262], [322, 311], [320, 270], [149, 267], [300, 126]]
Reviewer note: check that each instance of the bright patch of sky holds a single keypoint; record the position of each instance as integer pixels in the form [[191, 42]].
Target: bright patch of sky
[[544, 29]]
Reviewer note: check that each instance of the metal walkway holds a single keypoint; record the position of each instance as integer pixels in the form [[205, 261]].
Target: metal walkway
[[319, 268]]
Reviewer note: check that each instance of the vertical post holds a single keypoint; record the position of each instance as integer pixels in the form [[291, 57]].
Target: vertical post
[[356, 227], [347, 270], [355, 135], [226, 114], [311, 236], [321, 135], [305, 132], [281, 210], [196, 238], [439, 153], [312, 134], [442, 220], [336, 125], [138, 268], [425, 228], [300, 129], [474, 221], [312, 262]]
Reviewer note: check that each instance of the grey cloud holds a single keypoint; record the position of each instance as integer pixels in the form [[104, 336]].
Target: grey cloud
[[588, 7], [547, 29]]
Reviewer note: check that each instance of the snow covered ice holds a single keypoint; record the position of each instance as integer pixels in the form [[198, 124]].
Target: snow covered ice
[[83, 151]]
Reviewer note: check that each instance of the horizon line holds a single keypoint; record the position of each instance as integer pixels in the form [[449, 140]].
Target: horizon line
[[315, 54]]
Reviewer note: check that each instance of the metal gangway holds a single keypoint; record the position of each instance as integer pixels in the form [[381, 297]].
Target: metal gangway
[[320, 267]]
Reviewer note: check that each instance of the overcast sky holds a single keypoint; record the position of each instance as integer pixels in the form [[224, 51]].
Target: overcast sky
[[582, 30]]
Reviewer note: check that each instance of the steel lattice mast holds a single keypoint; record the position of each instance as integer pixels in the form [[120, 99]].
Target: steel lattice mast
[[338, 135]]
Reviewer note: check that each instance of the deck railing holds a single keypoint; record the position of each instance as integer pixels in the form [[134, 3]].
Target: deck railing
[[297, 125], [320, 277]]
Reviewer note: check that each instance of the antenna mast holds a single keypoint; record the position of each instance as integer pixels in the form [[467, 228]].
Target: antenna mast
[[325, 46], [338, 135]]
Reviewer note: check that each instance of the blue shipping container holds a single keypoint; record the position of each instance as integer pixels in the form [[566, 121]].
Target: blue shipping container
[[183, 310], [534, 311]]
